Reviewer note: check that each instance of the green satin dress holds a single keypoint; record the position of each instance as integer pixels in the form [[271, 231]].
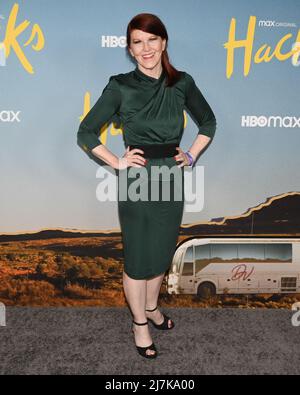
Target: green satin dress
[[149, 112]]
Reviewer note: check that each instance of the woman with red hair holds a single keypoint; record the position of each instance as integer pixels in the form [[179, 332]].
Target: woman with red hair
[[149, 102]]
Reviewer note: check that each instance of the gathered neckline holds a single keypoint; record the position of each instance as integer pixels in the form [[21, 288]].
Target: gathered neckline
[[148, 77]]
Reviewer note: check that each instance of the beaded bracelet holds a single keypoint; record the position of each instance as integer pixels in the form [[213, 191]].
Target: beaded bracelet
[[190, 157]]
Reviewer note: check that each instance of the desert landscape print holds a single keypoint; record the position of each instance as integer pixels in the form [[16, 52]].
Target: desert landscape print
[[59, 267]]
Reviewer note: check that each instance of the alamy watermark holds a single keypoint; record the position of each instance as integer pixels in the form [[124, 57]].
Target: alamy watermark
[[139, 183], [2, 314], [296, 315]]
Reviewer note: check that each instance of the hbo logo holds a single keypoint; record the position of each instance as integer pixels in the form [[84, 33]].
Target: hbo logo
[[113, 41]]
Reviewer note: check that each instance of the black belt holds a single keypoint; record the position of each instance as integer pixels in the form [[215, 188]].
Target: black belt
[[157, 150]]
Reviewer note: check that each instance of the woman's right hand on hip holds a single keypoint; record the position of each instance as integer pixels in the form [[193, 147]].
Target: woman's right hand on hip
[[131, 158]]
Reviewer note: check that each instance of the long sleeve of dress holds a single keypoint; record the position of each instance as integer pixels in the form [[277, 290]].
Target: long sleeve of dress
[[199, 108], [102, 112]]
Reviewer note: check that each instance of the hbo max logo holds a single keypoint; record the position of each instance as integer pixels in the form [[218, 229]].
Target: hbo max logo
[[262, 121], [9, 116], [2, 55], [113, 41]]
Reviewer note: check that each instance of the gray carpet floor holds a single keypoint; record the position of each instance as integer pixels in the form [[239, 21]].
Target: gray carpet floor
[[85, 341]]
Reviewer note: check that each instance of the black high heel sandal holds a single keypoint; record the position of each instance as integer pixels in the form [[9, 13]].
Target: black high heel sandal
[[142, 350], [164, 325]]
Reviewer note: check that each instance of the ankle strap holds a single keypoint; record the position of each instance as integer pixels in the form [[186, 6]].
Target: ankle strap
[[143, 323], [152, 309]]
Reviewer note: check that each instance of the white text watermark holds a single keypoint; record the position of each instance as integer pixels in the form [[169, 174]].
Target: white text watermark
[[138, 183]]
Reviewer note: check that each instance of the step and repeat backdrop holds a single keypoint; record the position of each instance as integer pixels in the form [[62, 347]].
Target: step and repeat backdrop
[[59, 243]]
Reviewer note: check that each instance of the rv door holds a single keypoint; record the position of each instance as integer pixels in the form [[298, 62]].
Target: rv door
[[187, 278]]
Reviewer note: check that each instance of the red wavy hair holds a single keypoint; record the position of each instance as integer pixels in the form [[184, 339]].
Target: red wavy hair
[[150, 23]]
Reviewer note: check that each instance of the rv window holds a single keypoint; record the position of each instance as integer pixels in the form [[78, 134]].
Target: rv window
[[251, 252], [189, 255], [223, 253], [279, 252], [265, 253], [202, 251], [202, 257], [188, 262]]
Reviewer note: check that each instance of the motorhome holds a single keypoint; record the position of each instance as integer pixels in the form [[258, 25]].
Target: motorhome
[[215, 266]]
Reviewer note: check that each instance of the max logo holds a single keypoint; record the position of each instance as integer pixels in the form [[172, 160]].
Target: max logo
[[9, 116], [241, 272]]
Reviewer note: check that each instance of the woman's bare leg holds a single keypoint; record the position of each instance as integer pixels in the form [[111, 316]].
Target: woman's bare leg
[[135, 293], [152, 294]]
